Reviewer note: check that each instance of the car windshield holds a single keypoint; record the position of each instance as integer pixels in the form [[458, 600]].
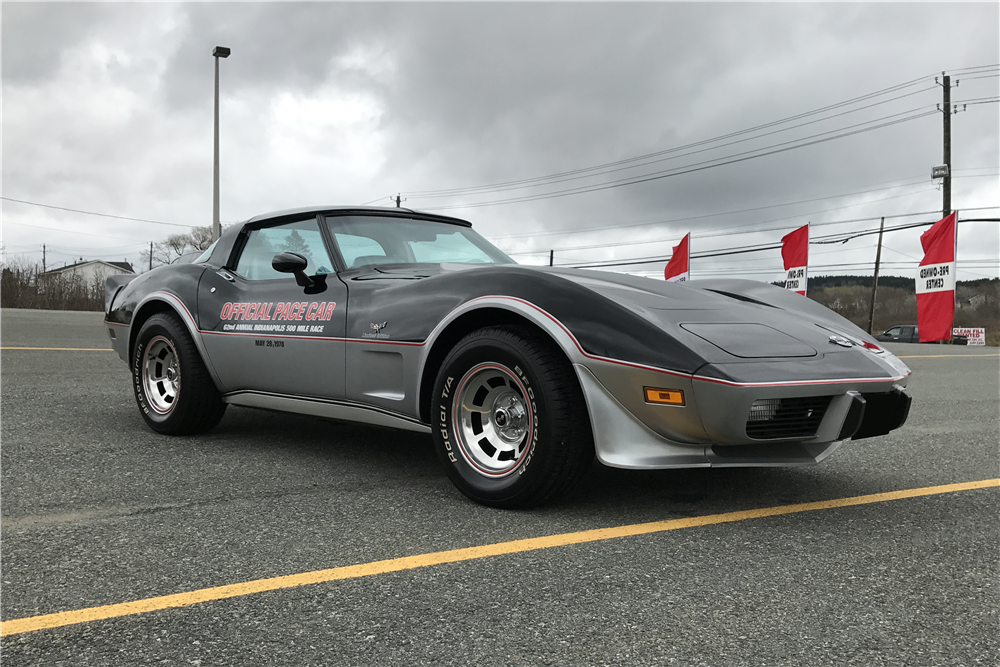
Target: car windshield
[[205, 256], [367, 240]]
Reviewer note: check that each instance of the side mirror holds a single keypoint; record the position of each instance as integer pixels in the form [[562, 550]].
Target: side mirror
[[290, 262]]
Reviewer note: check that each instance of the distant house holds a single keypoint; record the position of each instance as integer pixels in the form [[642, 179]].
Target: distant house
[[91, 272], [978, 300]]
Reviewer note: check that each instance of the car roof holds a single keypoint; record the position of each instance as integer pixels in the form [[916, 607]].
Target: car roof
[[395, 212]]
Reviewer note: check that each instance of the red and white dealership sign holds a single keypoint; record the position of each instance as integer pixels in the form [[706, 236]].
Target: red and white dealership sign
[[795, 254], [678, 268], [936, 281]]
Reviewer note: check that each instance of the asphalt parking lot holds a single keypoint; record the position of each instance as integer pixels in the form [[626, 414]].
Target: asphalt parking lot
[[98, 510]]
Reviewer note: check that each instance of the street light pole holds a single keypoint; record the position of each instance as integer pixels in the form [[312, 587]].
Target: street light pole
[[218, 52]]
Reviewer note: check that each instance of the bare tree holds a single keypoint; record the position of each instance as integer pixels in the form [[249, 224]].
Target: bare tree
[[175, 245]]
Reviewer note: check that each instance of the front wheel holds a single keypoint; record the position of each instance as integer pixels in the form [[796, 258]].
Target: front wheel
[[172, 387], [510, 424]]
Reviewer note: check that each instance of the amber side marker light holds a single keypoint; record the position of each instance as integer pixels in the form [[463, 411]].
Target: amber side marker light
[[664, 396]]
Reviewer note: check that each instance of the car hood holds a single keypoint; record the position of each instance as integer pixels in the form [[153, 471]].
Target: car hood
[[721, 321], [732, 321]]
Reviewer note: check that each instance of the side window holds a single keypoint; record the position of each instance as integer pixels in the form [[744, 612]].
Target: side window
[[360, 250], [302, 238], [893, 331]]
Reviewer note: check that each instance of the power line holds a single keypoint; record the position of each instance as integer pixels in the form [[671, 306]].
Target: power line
[[834, 238], [913, 180], [973, 68], [601, 170], [644, 159], [678, 171], [691, 145], [733, 231], [102, 215], [66, 231], [728, 231]]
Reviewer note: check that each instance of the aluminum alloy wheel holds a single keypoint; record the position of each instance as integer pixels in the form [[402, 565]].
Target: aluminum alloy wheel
[[161, 376], [492, 419]]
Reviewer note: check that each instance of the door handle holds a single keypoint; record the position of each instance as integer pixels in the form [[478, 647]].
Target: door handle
[[226, 275]]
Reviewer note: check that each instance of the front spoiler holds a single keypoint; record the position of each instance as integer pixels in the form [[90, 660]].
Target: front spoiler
[[622, 440], [883, 413]]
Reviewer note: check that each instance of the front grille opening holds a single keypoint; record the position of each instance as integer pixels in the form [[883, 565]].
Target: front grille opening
[[773, 418]]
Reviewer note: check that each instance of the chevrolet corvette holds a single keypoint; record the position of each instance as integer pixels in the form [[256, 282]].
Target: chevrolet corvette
[[520, 374]]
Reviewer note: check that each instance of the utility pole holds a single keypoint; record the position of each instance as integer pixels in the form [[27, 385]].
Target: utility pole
[[218, 52], [150, 255], [946, 205], [947, 111], [398, 201], [878, 258], [43, 258]]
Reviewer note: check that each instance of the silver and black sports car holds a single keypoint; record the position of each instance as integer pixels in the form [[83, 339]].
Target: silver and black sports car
[[520, 374]]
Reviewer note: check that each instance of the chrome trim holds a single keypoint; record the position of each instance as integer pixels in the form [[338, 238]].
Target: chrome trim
[[161, 378], [326, 408], [490, 413]]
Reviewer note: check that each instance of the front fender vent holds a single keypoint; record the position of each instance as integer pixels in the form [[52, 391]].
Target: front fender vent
[[778, 418]]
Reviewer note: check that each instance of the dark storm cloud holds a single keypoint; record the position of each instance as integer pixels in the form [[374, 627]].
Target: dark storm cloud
[[276, 46], [453, 95], [35, 35], [541, 89]]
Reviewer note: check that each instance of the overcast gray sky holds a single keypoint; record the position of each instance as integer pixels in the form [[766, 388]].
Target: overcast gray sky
[[108, 108]]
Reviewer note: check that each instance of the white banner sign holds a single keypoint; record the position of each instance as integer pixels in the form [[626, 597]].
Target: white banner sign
[[796, 279], [976, 336], [936, 278]]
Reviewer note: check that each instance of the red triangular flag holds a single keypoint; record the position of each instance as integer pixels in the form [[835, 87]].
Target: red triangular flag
[[677, 269]]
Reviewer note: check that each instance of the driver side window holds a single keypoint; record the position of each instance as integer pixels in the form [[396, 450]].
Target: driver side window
[[302, 238]]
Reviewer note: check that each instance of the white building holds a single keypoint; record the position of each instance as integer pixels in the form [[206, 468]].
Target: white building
[[91, 272]]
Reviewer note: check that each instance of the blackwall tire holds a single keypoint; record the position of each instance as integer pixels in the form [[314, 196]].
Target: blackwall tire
[[171, 385], [509, 420]]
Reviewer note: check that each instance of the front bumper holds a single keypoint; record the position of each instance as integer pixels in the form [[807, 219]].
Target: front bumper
[[711, 428]]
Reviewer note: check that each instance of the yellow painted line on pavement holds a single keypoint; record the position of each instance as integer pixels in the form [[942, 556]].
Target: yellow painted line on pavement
[[65, 349], [950, 356], [33, 623]]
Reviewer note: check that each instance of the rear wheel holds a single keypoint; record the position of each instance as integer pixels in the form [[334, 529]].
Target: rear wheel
[[509, 419], [172, 387]]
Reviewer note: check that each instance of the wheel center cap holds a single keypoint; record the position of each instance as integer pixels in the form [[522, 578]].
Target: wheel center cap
[[171, 373], [510, 418]]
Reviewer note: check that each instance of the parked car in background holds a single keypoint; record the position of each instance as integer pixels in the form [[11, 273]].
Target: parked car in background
[[906, 333]]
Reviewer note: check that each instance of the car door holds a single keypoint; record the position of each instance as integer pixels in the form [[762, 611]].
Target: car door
[[265, 332]]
